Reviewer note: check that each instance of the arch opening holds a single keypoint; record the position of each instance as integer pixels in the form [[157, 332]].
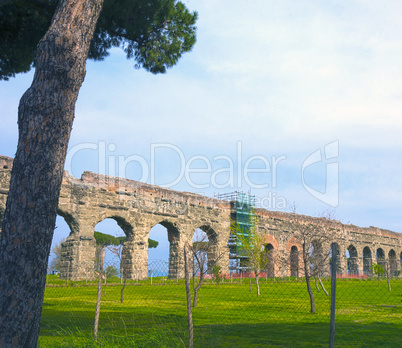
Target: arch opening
[[271, 260], [208, 235], [115, 232], [393, 263], [294, 262], [201, 248], [380, 256], [352, 260], [166, 258], [62, 231]]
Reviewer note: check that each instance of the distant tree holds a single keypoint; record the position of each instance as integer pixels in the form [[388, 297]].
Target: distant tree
[[251, 246], [114, 244], [152, 243], [109, 272], [156, 33], [378, 270], [55, 263], [217, 274], [107, 240]]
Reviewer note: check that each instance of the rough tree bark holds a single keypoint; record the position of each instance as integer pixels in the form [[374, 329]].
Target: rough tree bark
[[45, 118]]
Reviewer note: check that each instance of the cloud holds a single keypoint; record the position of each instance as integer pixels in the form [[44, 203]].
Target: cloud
[[283, 77]]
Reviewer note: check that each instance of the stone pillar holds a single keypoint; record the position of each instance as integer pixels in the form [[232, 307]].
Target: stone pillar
[[342, 262], [77, 258], [359, 261], [134, 261], [393, 266], [219, 255], [176, 256]]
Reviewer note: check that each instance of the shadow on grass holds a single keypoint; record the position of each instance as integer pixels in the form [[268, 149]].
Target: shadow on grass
[[116, 329], [298, 335]]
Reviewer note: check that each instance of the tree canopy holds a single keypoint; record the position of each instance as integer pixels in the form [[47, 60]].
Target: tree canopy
[[155, 33], [103, 239]]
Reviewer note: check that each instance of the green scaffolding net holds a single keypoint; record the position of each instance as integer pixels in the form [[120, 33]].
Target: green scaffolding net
[[241, 209]]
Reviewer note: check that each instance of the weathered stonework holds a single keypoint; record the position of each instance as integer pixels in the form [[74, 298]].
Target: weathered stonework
[[137, 207]]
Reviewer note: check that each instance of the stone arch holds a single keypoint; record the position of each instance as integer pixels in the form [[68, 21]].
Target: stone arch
[[400, 261], [380, 254], [352, 261], [70, 220], [134, 258], [367, 260], [211, 233], [393, 264], [271, 246], [176, 240], [270, 239], [122, 222]]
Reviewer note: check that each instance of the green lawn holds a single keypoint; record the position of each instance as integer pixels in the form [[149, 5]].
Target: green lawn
[[228, 315]]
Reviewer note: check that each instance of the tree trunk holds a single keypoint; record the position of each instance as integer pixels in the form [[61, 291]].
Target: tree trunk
[[306, 262], [389, 284], [45, 118], [316, 284], [122, 290], [188, 296], [258, 284], [98, 297], [196, 290], [311, 295], [323, 287]]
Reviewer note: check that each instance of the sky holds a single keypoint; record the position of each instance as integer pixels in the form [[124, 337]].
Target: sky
[[298, 103]]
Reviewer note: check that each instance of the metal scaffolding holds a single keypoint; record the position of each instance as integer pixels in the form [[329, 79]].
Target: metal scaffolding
[[241, 209]]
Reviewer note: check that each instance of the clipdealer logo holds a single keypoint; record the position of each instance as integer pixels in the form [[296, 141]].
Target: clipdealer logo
[[329, 156], [222, 171]]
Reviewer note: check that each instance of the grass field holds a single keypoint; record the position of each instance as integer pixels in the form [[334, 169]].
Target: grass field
[[228, 315]]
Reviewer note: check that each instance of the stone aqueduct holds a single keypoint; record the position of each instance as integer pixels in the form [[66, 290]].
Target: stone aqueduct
[[137, 207]]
